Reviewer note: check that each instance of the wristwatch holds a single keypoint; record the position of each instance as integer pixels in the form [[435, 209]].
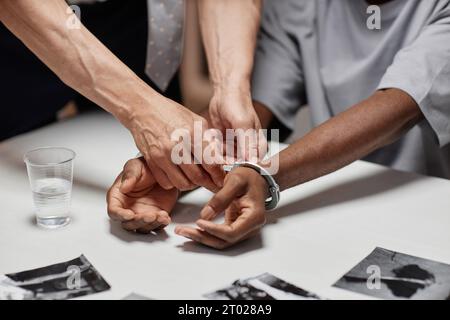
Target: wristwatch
[[274, 188]]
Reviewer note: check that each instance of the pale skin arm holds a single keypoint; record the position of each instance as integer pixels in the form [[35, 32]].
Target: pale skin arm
[[78, 58], [194, 79], [229, 29], [369, 125], [82, 62]]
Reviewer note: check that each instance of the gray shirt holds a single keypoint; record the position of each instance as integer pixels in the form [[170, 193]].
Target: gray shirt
[[322, 53]]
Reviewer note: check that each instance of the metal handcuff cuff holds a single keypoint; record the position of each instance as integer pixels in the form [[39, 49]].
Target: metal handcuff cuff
[[274, 188]]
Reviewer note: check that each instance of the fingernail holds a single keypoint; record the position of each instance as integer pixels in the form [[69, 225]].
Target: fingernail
[[182, 234], [207, 213], [164, 220]]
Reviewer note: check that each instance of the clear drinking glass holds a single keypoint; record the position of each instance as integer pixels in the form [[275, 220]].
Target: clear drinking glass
[[50, 171]]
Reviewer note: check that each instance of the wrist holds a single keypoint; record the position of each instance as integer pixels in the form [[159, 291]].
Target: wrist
[[263, 183], [232, 85], [238, 96], [270, 187], [290, 167], [255, 179], [273, 166], [138, 104]]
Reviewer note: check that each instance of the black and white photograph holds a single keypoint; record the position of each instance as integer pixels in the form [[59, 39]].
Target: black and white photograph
[[263, 287], [396, 276], [136, 296], [60, 281]]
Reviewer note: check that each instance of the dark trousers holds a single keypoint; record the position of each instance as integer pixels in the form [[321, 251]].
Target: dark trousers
[[31, 94]]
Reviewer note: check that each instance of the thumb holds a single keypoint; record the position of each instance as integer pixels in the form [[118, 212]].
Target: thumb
[[232, 189], [132, 172]]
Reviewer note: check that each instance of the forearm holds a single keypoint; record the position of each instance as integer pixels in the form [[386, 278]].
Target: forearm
[[229, 29], [351, 135], [78, 58]]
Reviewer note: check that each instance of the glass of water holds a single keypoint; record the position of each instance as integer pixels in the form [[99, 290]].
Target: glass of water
[[50, 171]]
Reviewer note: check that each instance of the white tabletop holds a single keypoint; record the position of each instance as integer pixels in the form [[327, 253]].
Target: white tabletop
[[320, 231]]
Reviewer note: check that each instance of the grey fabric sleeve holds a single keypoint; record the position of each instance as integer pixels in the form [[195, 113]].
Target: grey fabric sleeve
[[277, 76], [423, 71]]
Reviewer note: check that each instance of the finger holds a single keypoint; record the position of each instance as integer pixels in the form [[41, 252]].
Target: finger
[[175, 175], [159, 174], [252, 154], [232, 189], [247, 145], [140, 221], [132, 172], [220, 231], [238, 230], [114, 206], [149, 227], [133, 225], [214, 170], [211, 143], [198, 176], [260, 141], [201, 237], [229, 151], [216, 173], [117, 213], [223, 234], [262, 145], [164, 218], [149, 221]]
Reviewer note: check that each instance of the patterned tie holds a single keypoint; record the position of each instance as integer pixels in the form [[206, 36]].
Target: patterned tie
[[165, 38]]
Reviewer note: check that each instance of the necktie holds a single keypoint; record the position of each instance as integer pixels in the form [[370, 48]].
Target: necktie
[[165, 38]]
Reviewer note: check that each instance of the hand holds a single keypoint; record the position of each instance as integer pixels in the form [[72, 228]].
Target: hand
[[152, 129], [136, 200], [233, 109], [243, 199]]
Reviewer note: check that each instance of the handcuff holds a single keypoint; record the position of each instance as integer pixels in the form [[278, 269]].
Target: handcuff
[[274, 189]]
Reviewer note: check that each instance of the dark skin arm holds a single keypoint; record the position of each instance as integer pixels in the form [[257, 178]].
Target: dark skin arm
[[363, 128], [369, 125]]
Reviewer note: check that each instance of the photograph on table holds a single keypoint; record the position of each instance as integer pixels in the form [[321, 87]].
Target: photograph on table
[[263, 287], [388, 274], [135, 296], [60, 281]]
